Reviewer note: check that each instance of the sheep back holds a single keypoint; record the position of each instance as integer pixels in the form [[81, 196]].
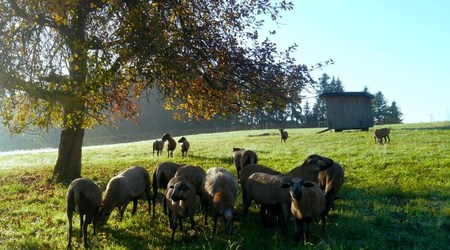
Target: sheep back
[[265, 189]]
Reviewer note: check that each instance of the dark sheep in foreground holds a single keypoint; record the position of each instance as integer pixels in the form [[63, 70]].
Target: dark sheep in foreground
[[127, 186], [158, 146], [171, 144], [85, 198], [380, 134], [307, 203], [265, 188], [195, 175], [184, 145], [220, 192], [243, 157], [331, 181], [284, 135], [180, 199], [162, 174]]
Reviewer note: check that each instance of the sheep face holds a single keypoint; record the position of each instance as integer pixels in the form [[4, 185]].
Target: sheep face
[[179, 191], [228, 218]]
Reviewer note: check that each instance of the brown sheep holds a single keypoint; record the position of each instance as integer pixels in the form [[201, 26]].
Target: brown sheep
[[184, 145], [331, 181], [243, 157], [129, 185], [220, 192], [284, 135], [171, 144], [85, 198], [180, 199], [158, 146], [380, 134], [307, 203], [162, 174], [195, 175]]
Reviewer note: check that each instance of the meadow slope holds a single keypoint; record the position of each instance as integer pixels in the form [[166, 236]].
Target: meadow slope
[[395, 196]]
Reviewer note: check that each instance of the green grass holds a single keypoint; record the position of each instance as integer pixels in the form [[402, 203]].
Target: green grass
[[396, 196]]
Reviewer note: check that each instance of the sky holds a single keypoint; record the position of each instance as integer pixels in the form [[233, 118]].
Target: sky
[[401, 48]]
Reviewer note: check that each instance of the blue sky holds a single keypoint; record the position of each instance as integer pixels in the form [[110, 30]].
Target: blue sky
[[400, 47]]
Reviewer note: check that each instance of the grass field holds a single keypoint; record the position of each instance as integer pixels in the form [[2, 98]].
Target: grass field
[[396, 196]]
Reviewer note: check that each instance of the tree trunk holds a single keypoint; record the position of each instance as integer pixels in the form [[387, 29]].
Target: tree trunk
[[68, 165]]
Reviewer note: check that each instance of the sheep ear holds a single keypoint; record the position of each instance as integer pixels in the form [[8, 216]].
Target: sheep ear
[[285, 185], [308, 184]]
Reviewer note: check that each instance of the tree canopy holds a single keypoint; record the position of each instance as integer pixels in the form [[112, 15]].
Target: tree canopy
[[75, 64]]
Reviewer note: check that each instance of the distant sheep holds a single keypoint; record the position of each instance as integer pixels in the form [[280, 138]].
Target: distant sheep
[[307, 203], [382, 133], [195, 175], [180, 199], [265, 188], [127, 186], [243, 157], [184, 145], [85, 198], [284, 135], [220, 192], [171, 144], [158, 146], [162, 174], [331, 181]]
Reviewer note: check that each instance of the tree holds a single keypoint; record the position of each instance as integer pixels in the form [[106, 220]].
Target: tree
[[393, 114], [379, 108], [76, 64]]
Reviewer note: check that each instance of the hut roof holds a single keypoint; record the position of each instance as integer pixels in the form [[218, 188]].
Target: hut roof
[[352, 94]]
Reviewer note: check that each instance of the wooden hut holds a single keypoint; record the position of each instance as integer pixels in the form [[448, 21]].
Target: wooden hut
[[348, 110]]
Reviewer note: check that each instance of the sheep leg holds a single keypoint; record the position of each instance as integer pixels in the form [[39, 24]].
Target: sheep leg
[[81, 225], [87, 221], [388, 138], [122, 210], [192, 222], [308, 229], [69, 216], [174, 222], [215, 224], [149, 200], [298, 236], [135, 201]]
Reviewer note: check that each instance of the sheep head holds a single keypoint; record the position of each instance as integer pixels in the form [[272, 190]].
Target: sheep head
[[322, 162], [228, 216], [178, 189]]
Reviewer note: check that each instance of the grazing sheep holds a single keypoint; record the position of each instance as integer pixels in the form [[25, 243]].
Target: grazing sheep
[[331, 180], [85, 198], [195, 175], [184, 145], [158, 146], [127, 186], [243, 157], [380, 134], [265, 188], [164, 171], [220, 192], [307, 203], [171, 145], [284, 135], [180, 199]]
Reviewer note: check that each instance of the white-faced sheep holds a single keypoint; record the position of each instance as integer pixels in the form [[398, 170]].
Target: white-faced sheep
[[195, 175], [158, 146], [181, 201], [184, 145], [380, 134], [220, 192], [243, 157], [331, 181], [85, 198], [127, 186], [171, 144], [307, 203], [162, 174], [265, 188], [284, 135]]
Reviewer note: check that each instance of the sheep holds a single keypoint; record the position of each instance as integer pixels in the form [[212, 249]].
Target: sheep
[[265, 188], [284, 135], [220, 188], [180, 199], [243, 157], [184, 145], [85, 198], [162, 174], [195, 175], [380, 134], [171, 145], [307, 203], [331, 180], [127, 186], [158, 146]]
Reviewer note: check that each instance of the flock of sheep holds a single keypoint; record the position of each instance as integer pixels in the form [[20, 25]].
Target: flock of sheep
[[306, 192]]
